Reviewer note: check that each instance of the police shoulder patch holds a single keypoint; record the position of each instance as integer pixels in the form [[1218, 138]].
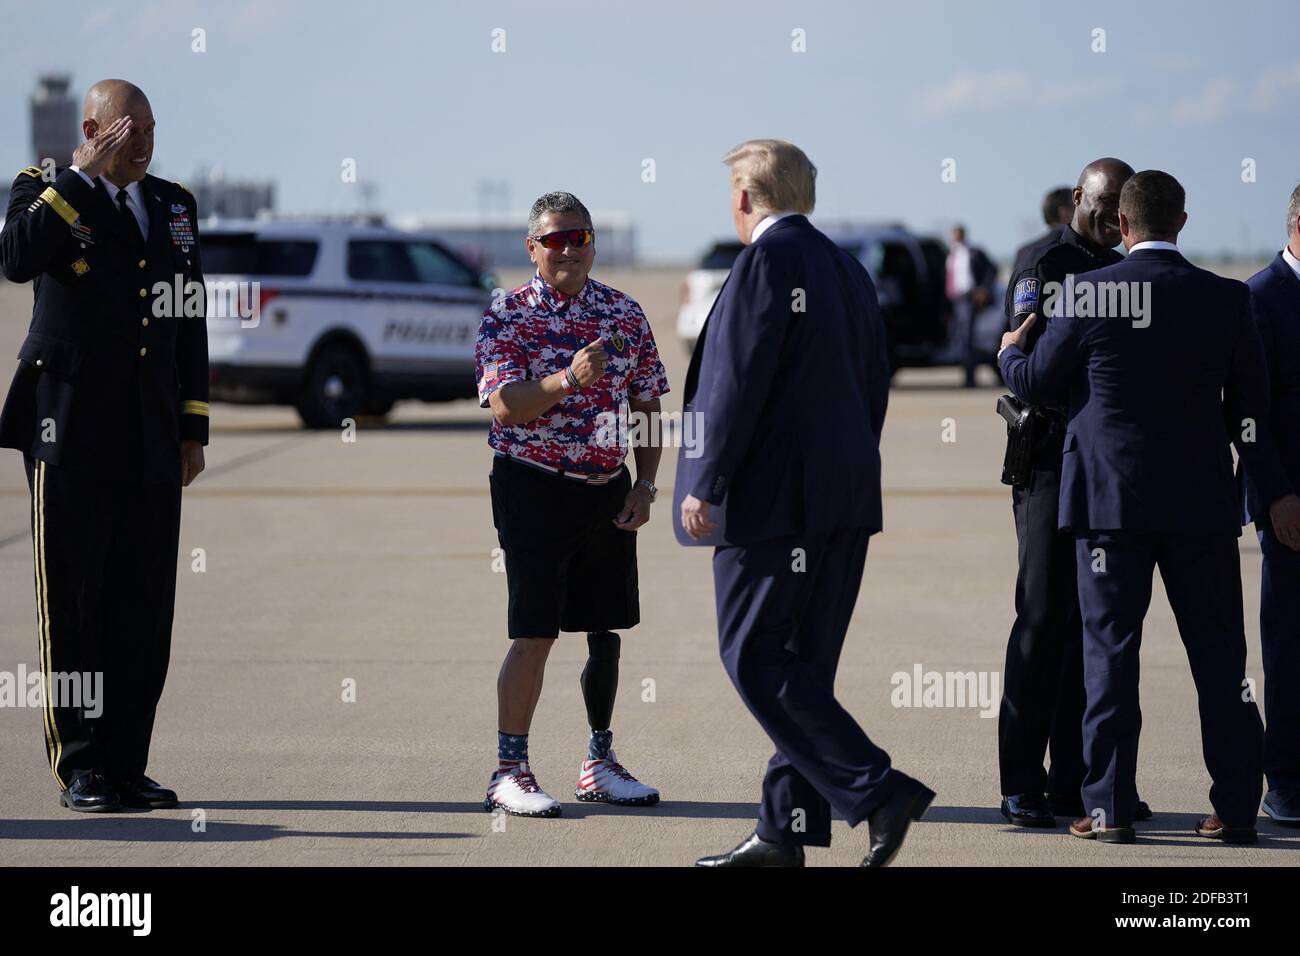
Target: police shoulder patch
[[1025, 297]]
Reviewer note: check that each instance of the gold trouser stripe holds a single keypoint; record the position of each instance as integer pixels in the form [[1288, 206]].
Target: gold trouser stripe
[[194, 408], [53, 745], [59, 205]]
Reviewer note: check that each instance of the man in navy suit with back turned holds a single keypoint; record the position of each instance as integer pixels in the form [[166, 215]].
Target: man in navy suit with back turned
[[790, 378], [1275, 306], [1164, 368]]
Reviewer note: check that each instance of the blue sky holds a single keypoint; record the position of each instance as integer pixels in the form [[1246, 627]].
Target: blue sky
[[586, 91]]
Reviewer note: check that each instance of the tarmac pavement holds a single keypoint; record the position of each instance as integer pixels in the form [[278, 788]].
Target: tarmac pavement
[[369, 564]]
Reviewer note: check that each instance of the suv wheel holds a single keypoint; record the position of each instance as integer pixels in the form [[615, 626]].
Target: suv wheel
[[334, 388]]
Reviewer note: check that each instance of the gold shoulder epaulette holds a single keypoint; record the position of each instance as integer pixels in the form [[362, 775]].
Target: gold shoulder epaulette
[[33, 171]]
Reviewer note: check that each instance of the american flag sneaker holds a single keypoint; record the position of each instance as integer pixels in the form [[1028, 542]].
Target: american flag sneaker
[[607, 781], [514, 789]]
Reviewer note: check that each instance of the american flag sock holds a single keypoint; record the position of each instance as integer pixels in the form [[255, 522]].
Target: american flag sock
[[512, 748]]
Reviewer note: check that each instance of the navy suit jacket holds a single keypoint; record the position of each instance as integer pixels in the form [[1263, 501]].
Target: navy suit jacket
[[1275, 307], [1152, 410], [792, 399]]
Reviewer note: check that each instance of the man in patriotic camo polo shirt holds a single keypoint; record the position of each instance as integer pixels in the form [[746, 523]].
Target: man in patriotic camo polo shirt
[[557, 359]]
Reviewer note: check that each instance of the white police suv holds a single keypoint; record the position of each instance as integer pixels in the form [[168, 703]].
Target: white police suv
[[337, 318]]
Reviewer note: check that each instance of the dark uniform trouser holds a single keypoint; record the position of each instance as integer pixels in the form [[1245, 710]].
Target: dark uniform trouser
[[1042, 695], [780, 633], [105, 556], [1279, 633], [1202, 577]]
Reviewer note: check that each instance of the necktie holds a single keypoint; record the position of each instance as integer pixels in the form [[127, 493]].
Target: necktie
[[129, 222]]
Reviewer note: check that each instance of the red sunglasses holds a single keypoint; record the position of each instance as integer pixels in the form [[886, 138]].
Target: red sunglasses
[[566, 237]]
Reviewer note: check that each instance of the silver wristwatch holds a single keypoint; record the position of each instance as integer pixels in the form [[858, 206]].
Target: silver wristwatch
[[648, 486]]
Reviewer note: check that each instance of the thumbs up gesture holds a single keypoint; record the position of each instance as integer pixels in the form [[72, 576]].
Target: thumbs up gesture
[[590, 361]]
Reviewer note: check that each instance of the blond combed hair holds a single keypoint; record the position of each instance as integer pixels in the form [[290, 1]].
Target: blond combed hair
[[778, 176]]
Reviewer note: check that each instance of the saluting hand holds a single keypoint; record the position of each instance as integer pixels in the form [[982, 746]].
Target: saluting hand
[[92, 156], [1284, 515], [1020, 336], [590, 361]]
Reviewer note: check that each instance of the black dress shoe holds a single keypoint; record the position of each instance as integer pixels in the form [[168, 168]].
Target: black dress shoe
[[1028, 810], [145, 794], [1072, 807], [91, 793], [889, 822], [755, 851]]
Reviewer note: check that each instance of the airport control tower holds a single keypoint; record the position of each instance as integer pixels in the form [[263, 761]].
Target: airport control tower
[[54, 119]]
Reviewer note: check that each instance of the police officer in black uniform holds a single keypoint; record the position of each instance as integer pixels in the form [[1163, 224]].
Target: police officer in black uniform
[[1043, 695], [109, 406]]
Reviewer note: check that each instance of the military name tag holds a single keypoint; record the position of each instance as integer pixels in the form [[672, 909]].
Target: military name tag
[[81, 232]]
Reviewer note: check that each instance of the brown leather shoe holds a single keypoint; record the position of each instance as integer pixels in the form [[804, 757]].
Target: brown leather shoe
[[1213, 828], [1083, 829]]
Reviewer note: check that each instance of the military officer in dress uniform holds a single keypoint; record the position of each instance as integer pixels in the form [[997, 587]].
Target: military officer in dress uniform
[[109, 406]]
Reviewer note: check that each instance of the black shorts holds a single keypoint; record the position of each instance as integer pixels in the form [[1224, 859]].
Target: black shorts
[[568, 568]]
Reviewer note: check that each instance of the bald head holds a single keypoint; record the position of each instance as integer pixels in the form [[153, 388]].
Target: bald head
[[1096, 201], [108, 101], [1106, 168]]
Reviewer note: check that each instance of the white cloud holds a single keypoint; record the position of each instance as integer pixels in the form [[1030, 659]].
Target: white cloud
[[1274, 87], [975, 92], [1004, 90], [1210, 105]]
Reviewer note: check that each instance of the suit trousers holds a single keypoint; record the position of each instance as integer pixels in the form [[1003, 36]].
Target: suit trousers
[[783, 610], [1279, 634], [1202, 577], [105, 561]]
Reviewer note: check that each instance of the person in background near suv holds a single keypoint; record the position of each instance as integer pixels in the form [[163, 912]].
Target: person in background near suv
[[970, 278], [556, 361]]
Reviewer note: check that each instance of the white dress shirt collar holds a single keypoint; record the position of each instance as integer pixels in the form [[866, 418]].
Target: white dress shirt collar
[[766, 224], [1155, 244], [1291, 260]]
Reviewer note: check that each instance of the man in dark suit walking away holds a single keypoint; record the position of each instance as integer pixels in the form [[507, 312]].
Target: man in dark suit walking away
[[790, 494], [1164, 368]]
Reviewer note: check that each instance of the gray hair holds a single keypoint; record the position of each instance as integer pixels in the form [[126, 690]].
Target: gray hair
[[556, 202], [1292, 212]]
